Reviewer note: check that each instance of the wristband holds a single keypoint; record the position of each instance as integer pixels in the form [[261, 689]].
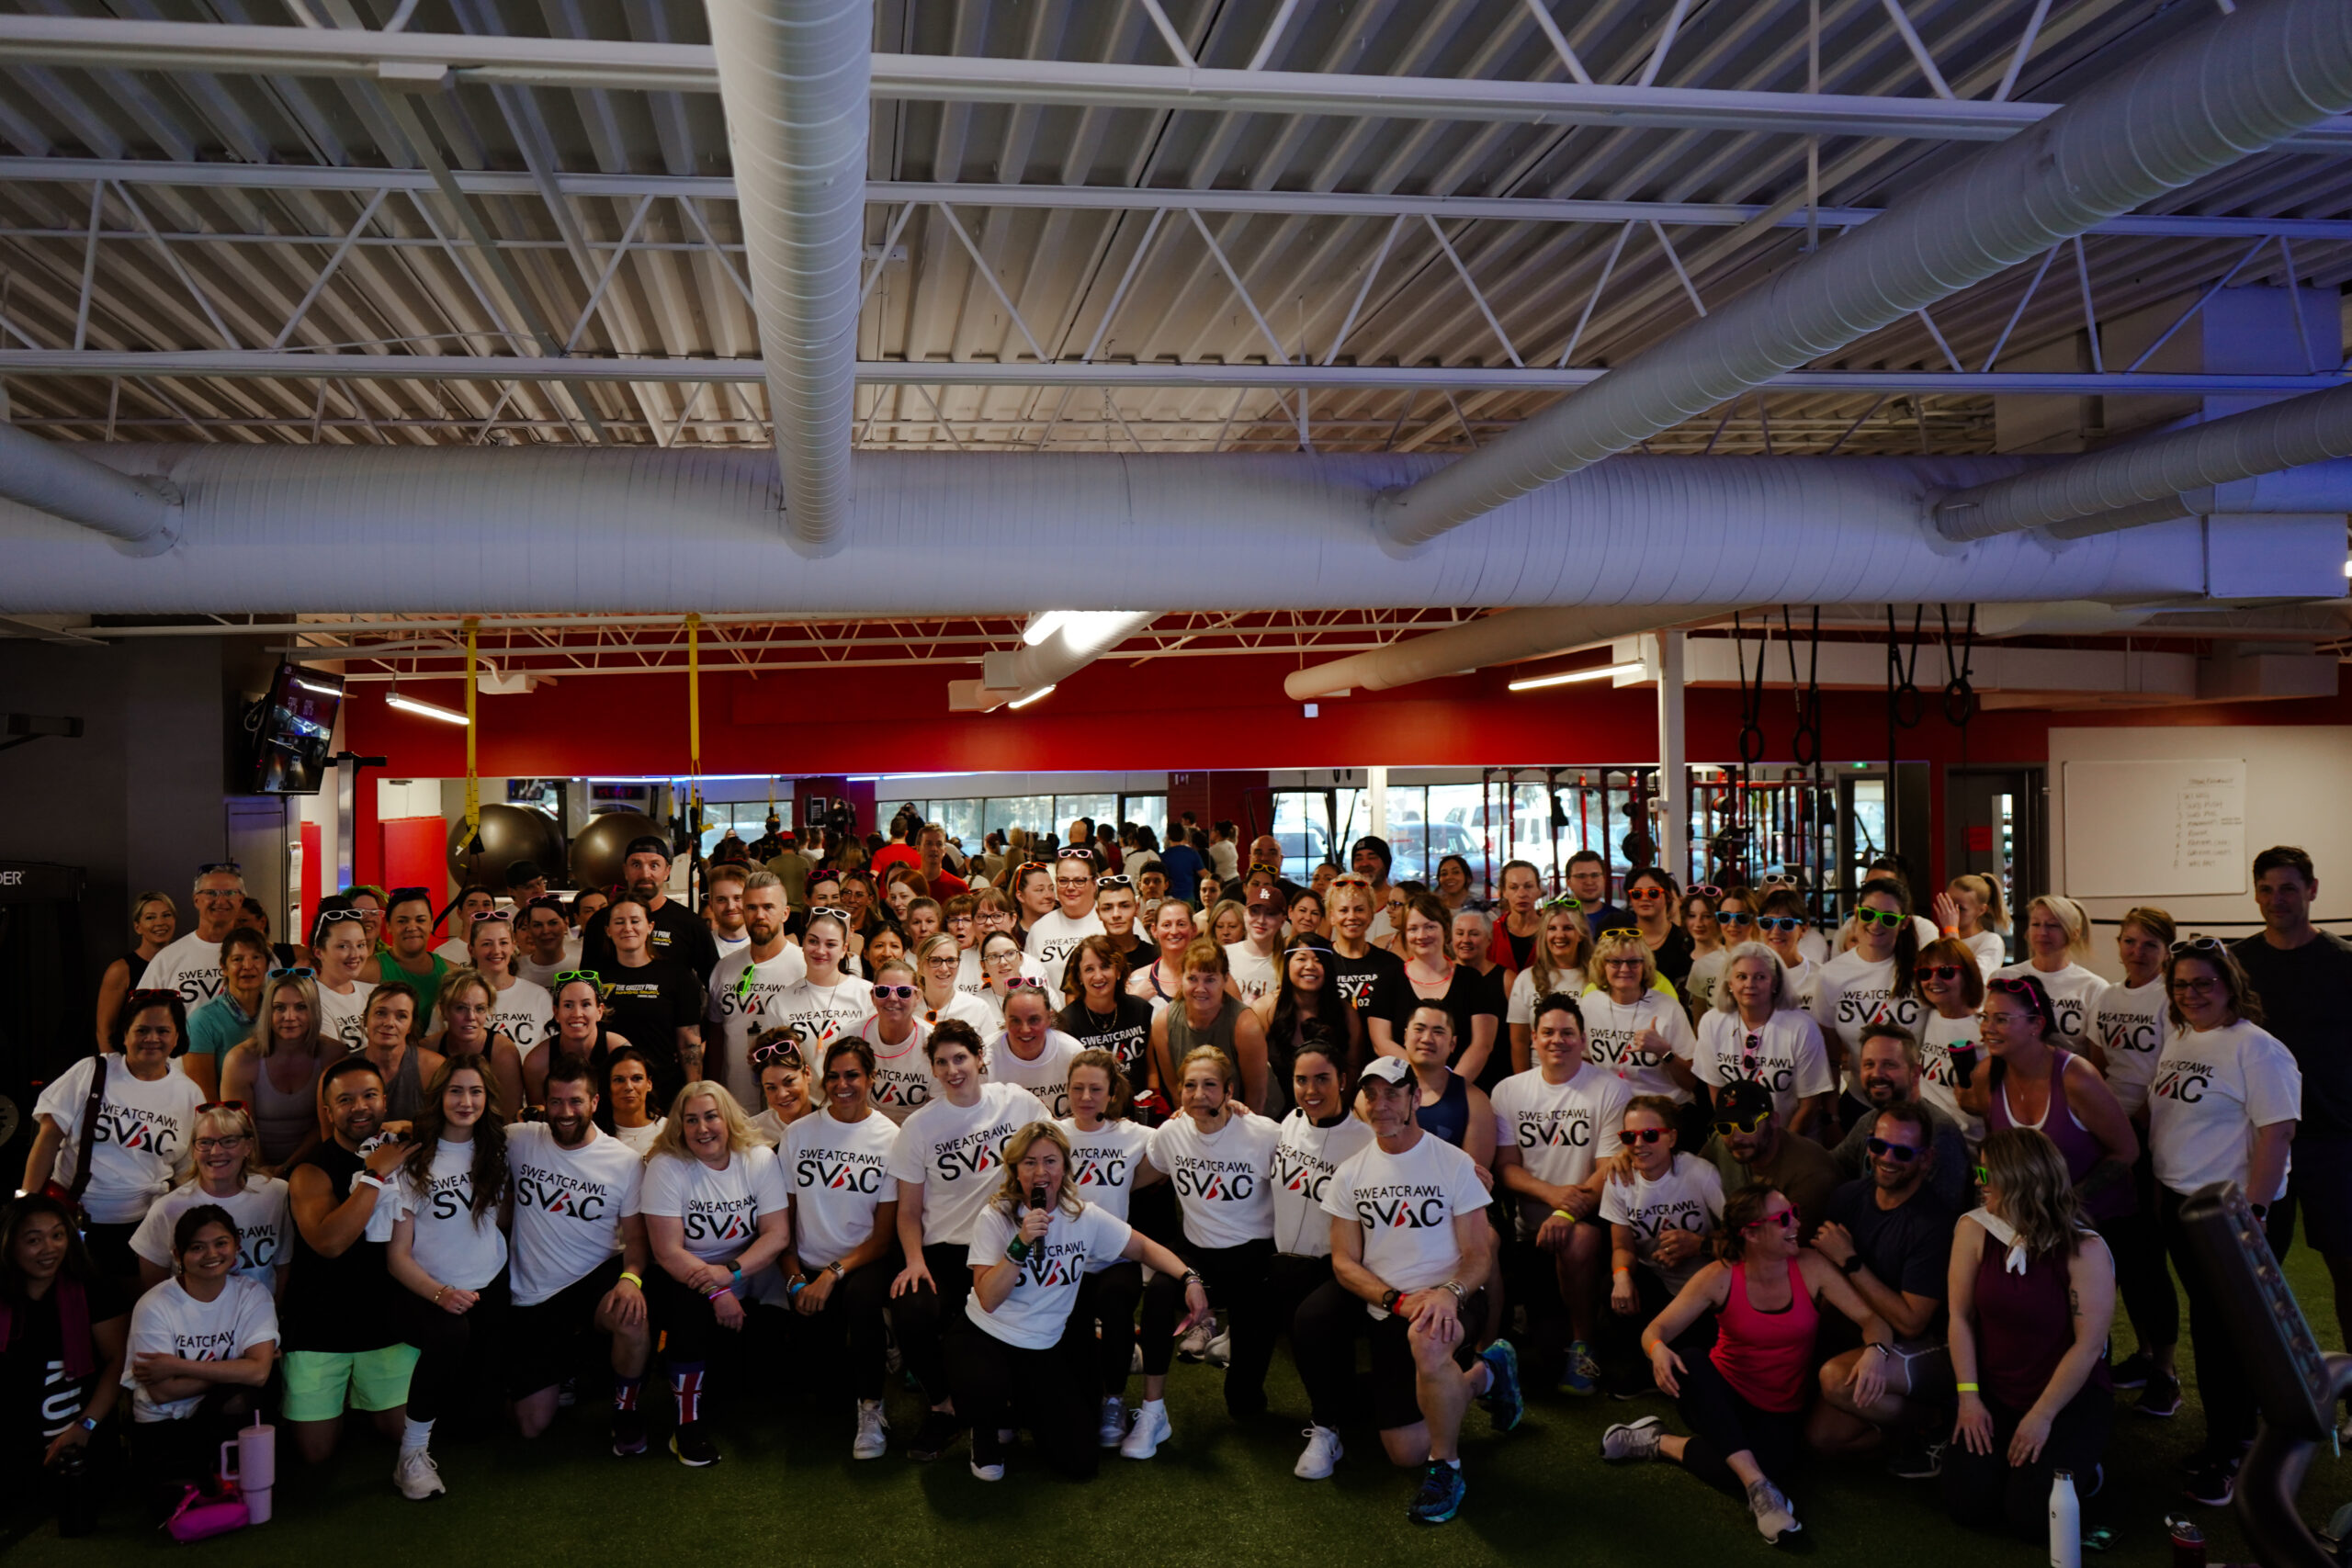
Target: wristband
[[1563, 1214], [1621, 1271], [1967, 1388], [632, 1278], [1952, 930], [792, 1288], [370, 1178], [714, 1295]]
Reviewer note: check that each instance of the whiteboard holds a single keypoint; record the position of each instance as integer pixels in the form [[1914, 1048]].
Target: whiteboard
[[2146, 830]]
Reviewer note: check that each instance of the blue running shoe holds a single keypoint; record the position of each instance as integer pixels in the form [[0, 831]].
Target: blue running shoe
[[1581, 1373], [1502, 1399], [1441, 1495]]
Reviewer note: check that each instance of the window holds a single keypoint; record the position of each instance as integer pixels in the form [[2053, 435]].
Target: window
[[1146, 811], [961, 818], [1096, 809], [1033, 812]]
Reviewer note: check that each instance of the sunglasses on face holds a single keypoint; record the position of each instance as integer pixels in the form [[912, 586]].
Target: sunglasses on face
[[1890, 918], [899, 991], [1780, 922], [1645, 894], [1730, 1127], [1881, 1149], [1736, 918], [1351, 879], [1786, 1219], [1938, 971], [1646, 1134]]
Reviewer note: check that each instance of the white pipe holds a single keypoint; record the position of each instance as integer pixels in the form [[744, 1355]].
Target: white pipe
[[1672, 831], [2227, 88], [1497, 639], [485, 531], [1076, 642], [793, 75], [54, 478]]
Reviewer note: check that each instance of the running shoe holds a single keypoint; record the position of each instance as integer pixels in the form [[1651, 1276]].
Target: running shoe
[[691, 1447], [416, 1475], [1151, 1429], [1504, 1403], [1320, 1456], [1110, 1428], [987, 1471], [1440, 1498], [934, 1437], [1633, 1439], [1916, 1459], [628, 1432], [1581, 1373], [1195, 1342], [1774, 1518], [2133, 1370], [2160, 1398], [1218, 1352], [873, 1439], [2213, 1482]]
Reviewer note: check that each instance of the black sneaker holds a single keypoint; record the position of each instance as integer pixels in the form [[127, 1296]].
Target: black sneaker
[[2160, 1398], [2132, 1372], [693, 1447], [2214, 1481], [1916, 1459], [934, 1437], [628, 1432]]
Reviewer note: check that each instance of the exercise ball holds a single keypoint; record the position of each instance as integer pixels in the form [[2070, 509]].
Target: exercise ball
[[508, 834], [599, 849]]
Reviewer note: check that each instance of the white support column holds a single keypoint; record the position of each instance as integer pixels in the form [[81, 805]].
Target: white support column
[[1375, 789], [1673, 830]]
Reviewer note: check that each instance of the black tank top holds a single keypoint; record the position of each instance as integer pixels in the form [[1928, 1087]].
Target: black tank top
[[341, 1303]]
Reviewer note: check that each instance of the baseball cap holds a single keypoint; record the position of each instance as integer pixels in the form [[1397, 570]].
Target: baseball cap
[[1266, 893], [647, 844], [1741, 1100], [1391, 1070]]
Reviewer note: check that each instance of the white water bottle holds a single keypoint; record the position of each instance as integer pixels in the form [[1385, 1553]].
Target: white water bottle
[[2065, 1522]]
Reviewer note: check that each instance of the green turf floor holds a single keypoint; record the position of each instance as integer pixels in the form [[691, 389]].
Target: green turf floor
[[1217, 1495]]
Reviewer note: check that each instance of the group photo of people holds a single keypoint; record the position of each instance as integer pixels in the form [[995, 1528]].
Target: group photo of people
[[978, 1150]]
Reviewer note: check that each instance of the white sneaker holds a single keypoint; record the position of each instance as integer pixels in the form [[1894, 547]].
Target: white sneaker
[[1150, 1430], [1323, 1451], [1112, 1430], [1220, 1350], [1774, 1517], [987, 1471], [873, 1432], [1195, 1343], [416, 1475]]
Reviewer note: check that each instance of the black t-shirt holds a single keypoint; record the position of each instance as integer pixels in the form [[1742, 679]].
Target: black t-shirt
[[647, 1005], [1358, 979], [1522, 948], [678, 933], [2307, 1002], [41, 1400], [1125, 1032], [1673, 956], [1469, 996], [1608, 916], [1909, 1247], [341, 1303]]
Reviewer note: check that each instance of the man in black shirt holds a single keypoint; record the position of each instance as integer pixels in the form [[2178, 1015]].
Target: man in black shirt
[[2304, 975], [678, 932]]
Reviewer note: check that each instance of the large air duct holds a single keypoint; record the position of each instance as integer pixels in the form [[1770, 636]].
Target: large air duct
[[481, 530], [2228, 87], [1497, 639], [793, 75], [52, 477]]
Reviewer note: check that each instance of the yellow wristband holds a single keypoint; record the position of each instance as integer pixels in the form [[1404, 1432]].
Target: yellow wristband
[[1563, 1214], [632, 1278], [1968, 1388]]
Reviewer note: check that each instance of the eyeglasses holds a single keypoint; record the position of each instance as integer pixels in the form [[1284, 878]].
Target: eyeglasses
[[1645, 1134], [899, 991], [1116, 879], [840, 915], [1880, 1148], [2195, 985], [1938, 971], [1732, 1127], [1890, 918], [1621, 964], [292, 973], [1780, 922], [2197, 944], [1786, 1219], [229, 1141]]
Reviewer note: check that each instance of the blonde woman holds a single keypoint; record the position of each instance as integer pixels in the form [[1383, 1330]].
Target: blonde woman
[[1970, 907], [154, 920], [470, 1019], [2057, 939], [1631, 1027], [1228, 922], [276, 1071], [1019, 1354], [1555, 969], [228, 1174]]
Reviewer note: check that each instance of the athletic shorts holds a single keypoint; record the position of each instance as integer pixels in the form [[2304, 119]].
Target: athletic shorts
[[1395, 1402], [1925, 1362], [322, 1384], [542, 1339], [2323, 1189]]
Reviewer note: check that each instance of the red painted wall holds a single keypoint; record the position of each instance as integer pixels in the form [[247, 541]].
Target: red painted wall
[[415, 855]]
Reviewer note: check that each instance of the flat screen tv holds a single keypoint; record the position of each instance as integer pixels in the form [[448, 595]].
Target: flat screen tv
[[289, 732]]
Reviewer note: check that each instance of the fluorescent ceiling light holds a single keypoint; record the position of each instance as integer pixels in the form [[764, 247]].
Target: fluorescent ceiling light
[[315, 686], [1043, 625], [425, 710], [1024, 702], [1605, 672], [1087, 630]]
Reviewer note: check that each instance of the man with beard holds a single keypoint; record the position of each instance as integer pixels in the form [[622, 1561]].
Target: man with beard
[[1886, 1070], [579, 1256], [1750, 1145], [678, 932], [342, 1347], [723, 909], [747, 980]]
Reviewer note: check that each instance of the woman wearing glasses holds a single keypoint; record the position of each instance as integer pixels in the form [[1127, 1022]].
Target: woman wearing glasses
[[1757, 1030], [1306, 999], [151, 1111], [1206, 1013], [2057, 939], [1709, 948], [2029, 1079], [228, 1174], [1744, 1399], [2030, 1297], [275, 1072], [1631, 1027], [1555, 968], [2226, 1099], [215, 1027], [1949, 1034], [1429, 974], [1875, 981], [1651, 894], [469, 1027], [937, 967], [1660, 1221], [1004, 969], [1782, 925], [341, 945]]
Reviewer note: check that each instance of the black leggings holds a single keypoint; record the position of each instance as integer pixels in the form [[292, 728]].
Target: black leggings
[[1723, 1423], [1237, 1280], [1986, 1491], [683, 1319], [849, 1331], [2222, 1383], [1050, 1392], [166, 1456], [447, 1343], [2141, 1277], [1108, 1297], [1324, 1329], [923, 1317]]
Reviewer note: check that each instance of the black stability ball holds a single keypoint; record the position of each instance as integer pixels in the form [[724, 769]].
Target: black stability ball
[[599, 849], [508, 834]]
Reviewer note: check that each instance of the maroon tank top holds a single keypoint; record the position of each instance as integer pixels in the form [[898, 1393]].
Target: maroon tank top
[[2081, 1150], [2024, 1327]]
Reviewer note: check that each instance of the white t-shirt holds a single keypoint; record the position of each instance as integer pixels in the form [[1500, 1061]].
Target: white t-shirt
[[190, 966], [721, 1209], [1520, 1006], [956, 1155], [258, 1208], [1047, 1077], [961, 1005], [452, 1243], [345, 1018], [543, 974], [1788, 1057], [1612, 1030], [1991, 950], [770, 1127], [729, 946], [521, 1012], [2130, 1026], [823, 1011], [742, 999], [1222, 1178], [1306, 1155], [1559, 1129], [168, 1321], [902, 1077], [459, 955], [639, 1140], [2074, 992], [1812, 947], [1033, 1315], [1851, 991], [837, 1171], [1706, 972], [1051, 942], [1406, 1204], [2214, 1089], [568, 1205], [1255, 975], [1690, 1197], [143, 1141], [1102, 1163], [1940, 1076]]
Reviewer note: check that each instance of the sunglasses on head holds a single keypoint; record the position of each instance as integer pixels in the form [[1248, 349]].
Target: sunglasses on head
[[841, 915], [1780, 922], [1116, 879], [1938, 971], [2015, 987], [783, 1051], [1074, 852], [1780, 879], [1645, 1134], [1890, 918], [2198, 944], [292, 973], [329, 917], [1786, 1219], [481, 915], [1565, 901], [1880, 1148], [589, 975], [1705, 890], [882, 991]]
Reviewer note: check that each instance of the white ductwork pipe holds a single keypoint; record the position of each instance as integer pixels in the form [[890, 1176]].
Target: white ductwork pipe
[[481, 530], [1080, 638], [2230, 86], [1497, 639], [53, 477], [2226, 465], [794, 76]]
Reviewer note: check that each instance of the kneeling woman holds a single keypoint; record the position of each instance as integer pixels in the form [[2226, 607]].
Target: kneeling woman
[[1020, 1353], [200, 1342], [1745, 1399], [717, 1211]]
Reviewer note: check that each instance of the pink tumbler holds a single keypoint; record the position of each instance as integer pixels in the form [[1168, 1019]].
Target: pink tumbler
[[256, 1466]]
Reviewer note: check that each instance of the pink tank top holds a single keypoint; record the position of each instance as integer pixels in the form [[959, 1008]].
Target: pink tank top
[[1765, 1354]]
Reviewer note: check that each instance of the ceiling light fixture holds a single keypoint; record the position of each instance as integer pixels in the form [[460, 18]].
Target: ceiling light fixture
[[1043, 625], [425, 710], [1024, 702], [1603, 673]]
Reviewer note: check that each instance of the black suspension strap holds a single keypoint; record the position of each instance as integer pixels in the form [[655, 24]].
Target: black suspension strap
[[1959, 694]]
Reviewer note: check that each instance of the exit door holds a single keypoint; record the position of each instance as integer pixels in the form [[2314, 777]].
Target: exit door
[[1996, 823]]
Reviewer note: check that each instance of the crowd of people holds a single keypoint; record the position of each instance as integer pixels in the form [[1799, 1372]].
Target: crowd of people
[[1019, 1132]]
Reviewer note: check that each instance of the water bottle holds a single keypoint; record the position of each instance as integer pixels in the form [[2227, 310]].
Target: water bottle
[[73, 1484], [256, 1467], [2065, 1522]]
